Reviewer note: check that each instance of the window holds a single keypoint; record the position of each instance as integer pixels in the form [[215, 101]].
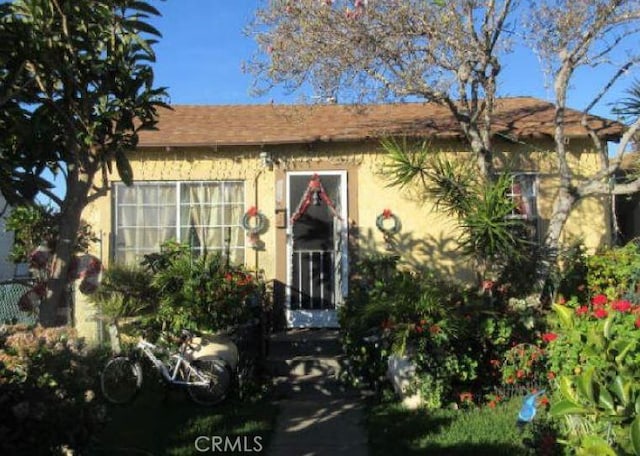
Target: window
[[524, 192], [206, 215]]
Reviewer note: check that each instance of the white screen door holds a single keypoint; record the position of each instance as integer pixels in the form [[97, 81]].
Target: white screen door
[[316, 247]]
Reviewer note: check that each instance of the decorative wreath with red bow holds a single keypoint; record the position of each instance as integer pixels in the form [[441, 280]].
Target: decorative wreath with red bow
[[259, 221], [388, 230]]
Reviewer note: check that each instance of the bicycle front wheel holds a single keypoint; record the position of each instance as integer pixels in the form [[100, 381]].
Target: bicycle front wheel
[[120, 380], [209, 381]]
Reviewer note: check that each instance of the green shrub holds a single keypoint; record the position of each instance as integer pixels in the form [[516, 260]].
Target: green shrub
[[457, 339], [173, 290], [204, 293], [37, 225], [385, 310], [595, 356], [616, 272], [48, 384], [125, 291]]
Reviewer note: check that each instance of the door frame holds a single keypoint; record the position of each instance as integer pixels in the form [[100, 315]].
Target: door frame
[[303, 318], [349, 162]]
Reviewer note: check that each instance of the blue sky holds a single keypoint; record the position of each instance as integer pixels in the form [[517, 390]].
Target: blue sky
[[200, 56], [203, 47], [202, 50]]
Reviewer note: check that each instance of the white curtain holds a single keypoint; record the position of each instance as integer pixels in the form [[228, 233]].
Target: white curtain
[[146, 218], [214, 210], [233, 212], [148, 215], [203, 214]]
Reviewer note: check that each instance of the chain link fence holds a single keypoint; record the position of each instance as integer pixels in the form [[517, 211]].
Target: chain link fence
[[10, 294]]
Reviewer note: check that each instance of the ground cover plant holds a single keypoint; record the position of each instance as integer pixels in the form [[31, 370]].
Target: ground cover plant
[[49, 391]]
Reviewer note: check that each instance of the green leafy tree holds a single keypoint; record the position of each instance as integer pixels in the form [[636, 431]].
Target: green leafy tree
[[34, 226], [76, 86]]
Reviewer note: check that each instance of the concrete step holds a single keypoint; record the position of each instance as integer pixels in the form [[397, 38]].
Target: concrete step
[[301, 366], [304, 342]]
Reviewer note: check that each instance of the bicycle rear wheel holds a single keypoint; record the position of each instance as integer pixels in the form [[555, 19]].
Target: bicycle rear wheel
[[217, 376], [120, 380]]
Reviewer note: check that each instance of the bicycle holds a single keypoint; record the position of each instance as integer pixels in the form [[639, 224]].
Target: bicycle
[[207, 379]]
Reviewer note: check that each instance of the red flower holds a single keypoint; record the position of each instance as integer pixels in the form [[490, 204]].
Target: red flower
[[549, 337], [419, 329], [551, 375], [509, 379], [386, 324], [600, 313], [494, 363], [487, 285], [544, 400], [228, 277], [519, 373], [466, 397], [492, 404], [582, 310], [599, 300], [434, 329], [561, 300], [621, 306], [386, 213], [637, 323]]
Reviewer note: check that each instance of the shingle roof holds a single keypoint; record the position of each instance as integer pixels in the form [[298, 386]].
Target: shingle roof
[[187, 126]]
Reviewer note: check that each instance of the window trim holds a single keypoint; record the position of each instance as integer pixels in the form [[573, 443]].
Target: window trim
[[534, 220], [176, 205]]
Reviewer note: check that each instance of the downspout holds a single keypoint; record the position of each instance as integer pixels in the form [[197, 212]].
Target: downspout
[[255, 203]]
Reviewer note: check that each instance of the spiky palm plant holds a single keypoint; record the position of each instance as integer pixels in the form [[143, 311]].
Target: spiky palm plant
[[630, 106], [481, 206]]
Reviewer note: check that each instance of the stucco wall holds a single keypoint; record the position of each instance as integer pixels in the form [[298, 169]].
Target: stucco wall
[[427, 237]]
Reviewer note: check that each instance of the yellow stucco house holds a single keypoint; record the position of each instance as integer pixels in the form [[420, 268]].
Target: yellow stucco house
[[314, 172]]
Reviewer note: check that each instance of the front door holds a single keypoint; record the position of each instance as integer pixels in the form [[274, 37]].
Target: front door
[[316, 247]]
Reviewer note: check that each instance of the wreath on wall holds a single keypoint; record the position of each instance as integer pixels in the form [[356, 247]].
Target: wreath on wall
[[253, 222], [388, 230], [394, 228], [258, 224]]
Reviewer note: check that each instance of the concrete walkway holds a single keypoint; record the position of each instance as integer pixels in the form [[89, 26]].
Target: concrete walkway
[[318, 416]]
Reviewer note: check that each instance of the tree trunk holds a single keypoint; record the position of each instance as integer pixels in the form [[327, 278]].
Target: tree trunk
[[482, 151], [561, 210], [78, 186]]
